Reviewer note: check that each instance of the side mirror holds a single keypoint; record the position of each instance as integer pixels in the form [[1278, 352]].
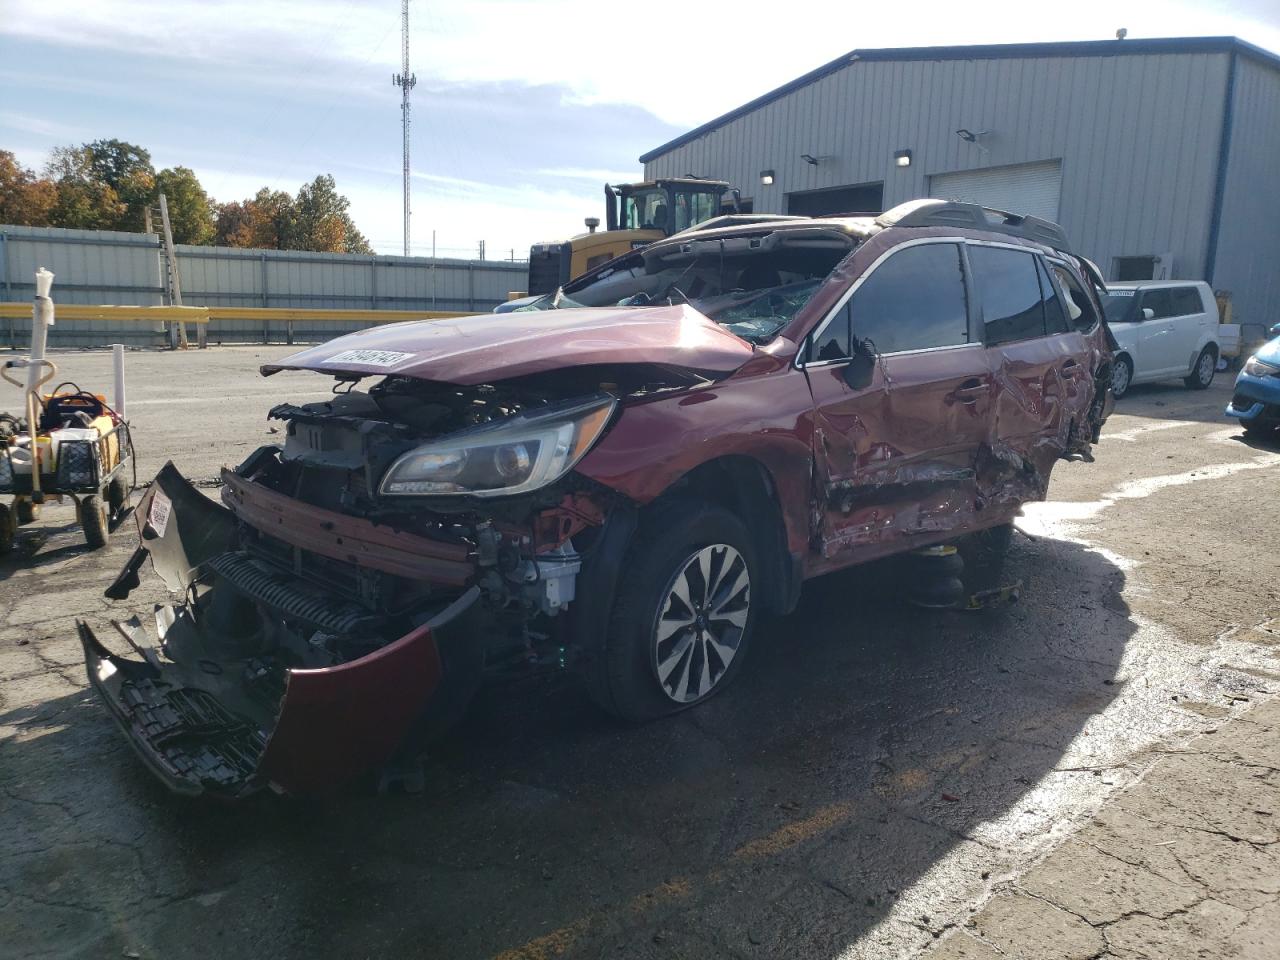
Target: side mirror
[[1275, 330], [1148, 313], [861, 366]]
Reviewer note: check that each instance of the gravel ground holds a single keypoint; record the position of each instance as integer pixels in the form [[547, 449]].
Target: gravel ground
[[878, 777]]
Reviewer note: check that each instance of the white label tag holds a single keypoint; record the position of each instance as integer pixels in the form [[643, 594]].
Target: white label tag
[[158, 515], [371, 358]]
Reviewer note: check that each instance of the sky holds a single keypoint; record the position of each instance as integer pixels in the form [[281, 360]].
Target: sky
[[523, 109]]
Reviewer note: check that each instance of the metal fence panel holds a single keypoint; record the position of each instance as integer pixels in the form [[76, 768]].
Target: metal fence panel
[[106, 267]]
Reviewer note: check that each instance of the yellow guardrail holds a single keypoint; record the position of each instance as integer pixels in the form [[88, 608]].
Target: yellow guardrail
[[203, 316], [80, 311]]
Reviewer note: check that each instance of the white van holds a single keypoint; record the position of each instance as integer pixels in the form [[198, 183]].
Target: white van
[[1166, 329]]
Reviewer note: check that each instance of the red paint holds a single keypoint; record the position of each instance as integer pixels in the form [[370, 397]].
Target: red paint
[[859, 473], [341, 537], [493, 347], [340, 721]]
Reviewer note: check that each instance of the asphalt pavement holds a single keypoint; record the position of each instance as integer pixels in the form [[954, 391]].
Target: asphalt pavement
[[880, 782]]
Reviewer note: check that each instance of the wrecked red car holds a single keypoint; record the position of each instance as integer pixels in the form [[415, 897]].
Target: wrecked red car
[[621, 481]]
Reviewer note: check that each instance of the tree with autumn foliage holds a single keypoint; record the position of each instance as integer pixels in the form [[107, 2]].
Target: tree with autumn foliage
[[84, 202], [263, 221], [316, 219], [25, 199], [126, 169], [109, 184]]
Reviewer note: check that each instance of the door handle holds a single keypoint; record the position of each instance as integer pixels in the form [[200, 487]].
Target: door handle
[[968, 392]]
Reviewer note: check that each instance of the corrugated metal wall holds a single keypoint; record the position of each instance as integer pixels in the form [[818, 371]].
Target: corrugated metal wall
[[101, 267], [1248, 255], [1137, 135]]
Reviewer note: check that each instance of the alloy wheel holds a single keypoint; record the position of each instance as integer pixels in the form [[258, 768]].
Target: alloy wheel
[[700, 622]]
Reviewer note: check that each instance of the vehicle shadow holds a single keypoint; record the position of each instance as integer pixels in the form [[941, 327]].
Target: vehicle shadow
[[1266, 442], [864, 744], [44, 543]]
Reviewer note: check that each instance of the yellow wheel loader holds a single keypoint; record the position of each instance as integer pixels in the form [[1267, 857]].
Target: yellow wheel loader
[[636, 214]]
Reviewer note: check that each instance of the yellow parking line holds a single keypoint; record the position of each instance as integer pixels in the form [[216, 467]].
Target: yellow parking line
[[559, 941]]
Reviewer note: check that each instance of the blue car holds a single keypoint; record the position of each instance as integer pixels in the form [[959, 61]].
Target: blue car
[[1256, 402]]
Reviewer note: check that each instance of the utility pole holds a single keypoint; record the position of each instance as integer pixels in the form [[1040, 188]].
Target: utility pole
[[406, 82]]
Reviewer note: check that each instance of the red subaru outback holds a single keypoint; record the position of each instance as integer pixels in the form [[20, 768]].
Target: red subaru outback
[[620, 480]]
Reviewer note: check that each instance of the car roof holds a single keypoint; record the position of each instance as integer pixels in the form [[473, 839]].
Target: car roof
[[906, 216]]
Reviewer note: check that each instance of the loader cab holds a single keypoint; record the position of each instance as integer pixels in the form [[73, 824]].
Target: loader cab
[[667, 206], [636, 214]]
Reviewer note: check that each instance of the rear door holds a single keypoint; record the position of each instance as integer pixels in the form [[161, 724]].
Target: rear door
[[896, 456], [1159, 340], [1037, 360], [1191, 325]]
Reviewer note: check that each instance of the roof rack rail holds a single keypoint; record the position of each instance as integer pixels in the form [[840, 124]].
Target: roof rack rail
[[956, 213], [738, 220]]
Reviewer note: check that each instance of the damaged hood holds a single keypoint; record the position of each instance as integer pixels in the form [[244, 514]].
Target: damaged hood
[[491, 347]]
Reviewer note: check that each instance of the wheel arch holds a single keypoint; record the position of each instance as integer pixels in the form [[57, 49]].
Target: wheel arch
[[746, 487], [1209, 343]]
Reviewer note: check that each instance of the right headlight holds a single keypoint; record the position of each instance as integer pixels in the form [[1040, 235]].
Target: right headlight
[[517, 455], [1258, 368]]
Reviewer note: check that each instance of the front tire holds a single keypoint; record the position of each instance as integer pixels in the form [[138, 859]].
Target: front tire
[[93, 519], [1202, 373], [117, 494], [27, 511], [1121, 376], [1258, 429], [684, 614]]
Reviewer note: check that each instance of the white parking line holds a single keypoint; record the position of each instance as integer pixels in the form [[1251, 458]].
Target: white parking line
[[1052, 518], [1130, 435]]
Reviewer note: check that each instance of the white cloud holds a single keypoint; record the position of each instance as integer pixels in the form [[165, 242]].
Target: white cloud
[[685, 63], [40, 126], [595, 175], [267, 82]]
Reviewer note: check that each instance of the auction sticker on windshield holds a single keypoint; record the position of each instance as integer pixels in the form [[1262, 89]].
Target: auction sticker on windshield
[[371, 358]]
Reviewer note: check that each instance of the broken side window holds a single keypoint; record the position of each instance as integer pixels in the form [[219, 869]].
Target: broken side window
[[1055, 314]]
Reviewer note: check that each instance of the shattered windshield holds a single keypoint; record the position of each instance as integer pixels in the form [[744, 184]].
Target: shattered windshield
[[754, 286]]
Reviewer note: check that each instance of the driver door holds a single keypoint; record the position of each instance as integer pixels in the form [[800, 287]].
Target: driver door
[[895, 454]]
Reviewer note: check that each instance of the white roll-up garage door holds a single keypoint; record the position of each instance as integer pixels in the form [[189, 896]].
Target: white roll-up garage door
[[1028, 188]]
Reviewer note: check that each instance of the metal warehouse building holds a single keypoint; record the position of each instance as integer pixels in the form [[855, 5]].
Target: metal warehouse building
[[1159, 157]]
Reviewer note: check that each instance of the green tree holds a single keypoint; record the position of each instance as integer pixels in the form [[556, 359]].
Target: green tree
[[126, 168], [191, 212], [25, 199], [322, 222], [83, 201], [355, 240]]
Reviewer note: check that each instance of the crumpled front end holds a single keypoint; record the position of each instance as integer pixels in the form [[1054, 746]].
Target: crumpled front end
[[257, 680]]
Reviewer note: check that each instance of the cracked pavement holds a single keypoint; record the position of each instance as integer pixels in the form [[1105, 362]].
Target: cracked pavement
[[1091, 773], [1185, 864]]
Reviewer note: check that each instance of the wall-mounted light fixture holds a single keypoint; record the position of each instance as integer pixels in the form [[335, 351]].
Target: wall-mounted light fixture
[[766, 177], [974, 137], [902, 158]]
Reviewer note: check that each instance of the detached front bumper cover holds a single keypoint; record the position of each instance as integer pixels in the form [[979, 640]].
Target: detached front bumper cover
[[207, 721]]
